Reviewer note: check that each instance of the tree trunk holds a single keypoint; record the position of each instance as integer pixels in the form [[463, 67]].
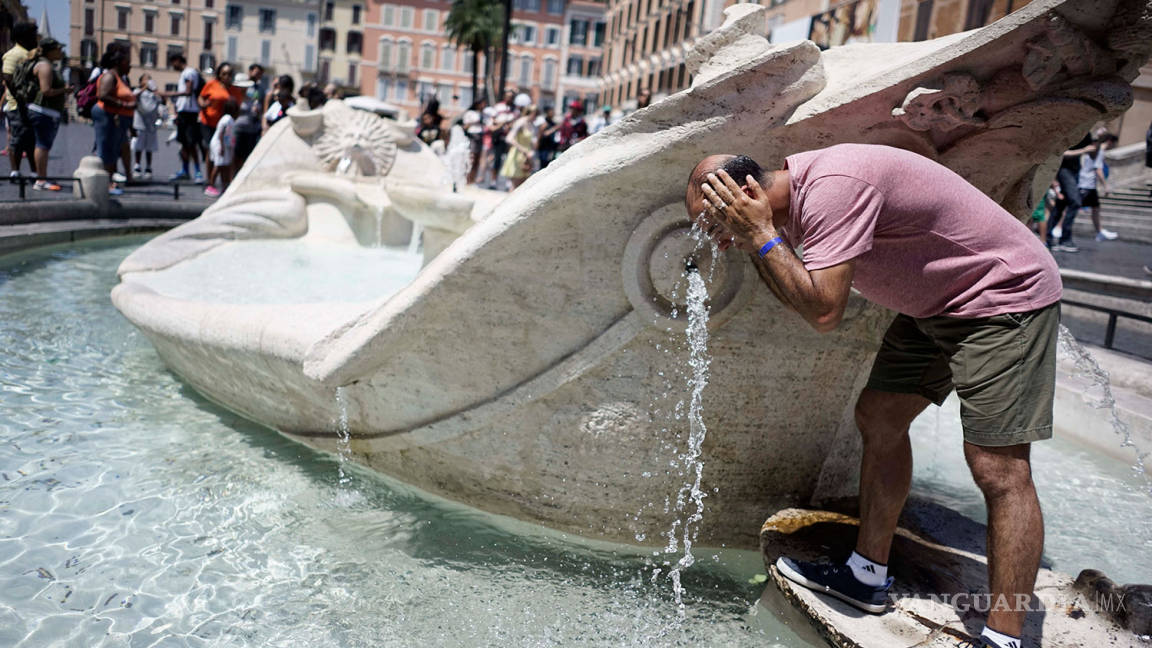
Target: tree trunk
[[504, 49], [475, 74]]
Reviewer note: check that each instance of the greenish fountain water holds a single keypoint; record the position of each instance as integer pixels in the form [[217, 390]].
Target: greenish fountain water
[[134, 513]]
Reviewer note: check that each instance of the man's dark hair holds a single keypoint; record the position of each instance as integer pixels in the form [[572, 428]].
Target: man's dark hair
[[742, 166], [285, 82], [176, 56], [24, 34], [255, 66]]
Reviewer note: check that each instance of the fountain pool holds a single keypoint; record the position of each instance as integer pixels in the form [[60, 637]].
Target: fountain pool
[[277, 271], [133, 512]]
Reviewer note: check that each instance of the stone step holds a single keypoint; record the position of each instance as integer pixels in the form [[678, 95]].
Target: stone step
[[940, 586]]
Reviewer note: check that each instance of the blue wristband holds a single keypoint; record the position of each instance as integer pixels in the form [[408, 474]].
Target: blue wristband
[[768, 246]]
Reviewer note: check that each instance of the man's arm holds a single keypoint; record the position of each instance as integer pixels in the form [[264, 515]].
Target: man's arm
[[819, 296]]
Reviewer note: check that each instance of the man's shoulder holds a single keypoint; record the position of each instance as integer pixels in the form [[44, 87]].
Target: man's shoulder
[[13, 57]]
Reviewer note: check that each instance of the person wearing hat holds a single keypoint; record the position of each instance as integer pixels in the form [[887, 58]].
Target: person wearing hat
[[601, 120], [573, 128], [46, 109]]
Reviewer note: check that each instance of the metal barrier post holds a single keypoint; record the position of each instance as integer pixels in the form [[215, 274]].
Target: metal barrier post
[[1110, 334], [20, 180]]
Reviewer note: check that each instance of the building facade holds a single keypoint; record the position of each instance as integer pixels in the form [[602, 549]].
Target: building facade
[[582, 54], [340, 42], [646, 44], [152, 29], [407, 57], [281, 35]]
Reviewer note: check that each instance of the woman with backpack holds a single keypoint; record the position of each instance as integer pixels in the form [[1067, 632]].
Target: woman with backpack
[[112, 115], [46, 109]]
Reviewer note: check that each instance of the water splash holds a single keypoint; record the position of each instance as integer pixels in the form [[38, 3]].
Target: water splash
[[343, 437], [690, 495], [1087, 367], [417, 236]]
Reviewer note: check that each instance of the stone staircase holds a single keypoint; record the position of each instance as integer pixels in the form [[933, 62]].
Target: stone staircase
[[1126, 210]]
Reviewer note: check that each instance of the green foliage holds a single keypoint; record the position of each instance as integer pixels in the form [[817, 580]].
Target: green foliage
[[475, 24]]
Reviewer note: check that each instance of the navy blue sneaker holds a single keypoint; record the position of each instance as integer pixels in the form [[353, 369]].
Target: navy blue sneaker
[[837, 580]]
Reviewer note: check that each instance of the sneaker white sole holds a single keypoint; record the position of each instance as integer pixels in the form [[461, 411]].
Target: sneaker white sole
[[799, 579]]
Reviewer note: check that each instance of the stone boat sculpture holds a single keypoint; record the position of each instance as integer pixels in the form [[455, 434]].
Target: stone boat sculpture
[[532, 367]]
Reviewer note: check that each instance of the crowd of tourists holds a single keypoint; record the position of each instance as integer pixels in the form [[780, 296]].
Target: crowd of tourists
[[218, 117], [514, 138], [34, 97]]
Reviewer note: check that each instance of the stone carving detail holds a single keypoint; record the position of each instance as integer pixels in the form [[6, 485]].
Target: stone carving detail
[[1129, 29], [948, 104], [1061, 46], [357, 143]]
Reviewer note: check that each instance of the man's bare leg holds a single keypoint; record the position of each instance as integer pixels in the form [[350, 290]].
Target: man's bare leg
[[885, 466], [1015, 528]]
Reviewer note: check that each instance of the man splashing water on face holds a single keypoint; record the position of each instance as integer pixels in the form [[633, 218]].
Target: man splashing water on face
[[977, 298]]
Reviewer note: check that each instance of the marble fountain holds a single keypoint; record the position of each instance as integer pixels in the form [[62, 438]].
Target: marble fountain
[[514, 362]]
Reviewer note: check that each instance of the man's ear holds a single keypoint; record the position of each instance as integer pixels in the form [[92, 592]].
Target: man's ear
[[747, 191]]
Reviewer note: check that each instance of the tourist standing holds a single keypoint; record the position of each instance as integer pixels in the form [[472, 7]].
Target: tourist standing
[[521, 140], [546, 127], [601, 121], [21, 139], [473, 124], [112, 114], [146, 141], [1091, 181], [250, 122], [222, 149], [1064, 216], [574, 128], [282, 99], [429, 128], [45, 111], [212, 98], [187, 116]]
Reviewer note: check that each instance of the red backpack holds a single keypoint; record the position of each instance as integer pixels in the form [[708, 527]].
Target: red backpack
[[87, 97]]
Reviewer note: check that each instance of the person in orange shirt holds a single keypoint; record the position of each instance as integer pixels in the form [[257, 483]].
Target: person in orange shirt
[[213, 97]]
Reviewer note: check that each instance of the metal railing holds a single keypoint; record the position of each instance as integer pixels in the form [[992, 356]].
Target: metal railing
[[1113, 316], [24, 181]]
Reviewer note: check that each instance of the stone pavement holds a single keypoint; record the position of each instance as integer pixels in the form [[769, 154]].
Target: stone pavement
[[1117, 258], [74, 142]]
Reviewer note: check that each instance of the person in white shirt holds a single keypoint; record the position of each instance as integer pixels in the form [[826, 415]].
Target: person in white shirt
[[601, 120], [222, 148], [187, 115], [1092, 181]]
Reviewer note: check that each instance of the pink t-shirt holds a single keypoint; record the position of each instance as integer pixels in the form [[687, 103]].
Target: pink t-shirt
[[925, 241]]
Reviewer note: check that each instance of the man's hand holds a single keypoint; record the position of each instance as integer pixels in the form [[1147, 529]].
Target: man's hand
[[743, 214]]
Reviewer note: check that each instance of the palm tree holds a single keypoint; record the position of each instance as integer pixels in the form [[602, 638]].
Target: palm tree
[[476, 25]]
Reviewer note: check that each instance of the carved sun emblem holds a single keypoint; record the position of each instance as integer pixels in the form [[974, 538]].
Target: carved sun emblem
[[358, 143]]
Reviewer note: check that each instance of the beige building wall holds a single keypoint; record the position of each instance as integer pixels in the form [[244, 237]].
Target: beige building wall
[[281, 35], [153, 29], [584, 36], [341, 42], [646, 44]]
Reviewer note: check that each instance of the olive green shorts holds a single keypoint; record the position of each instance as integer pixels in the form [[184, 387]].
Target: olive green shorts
[[1003, 368]]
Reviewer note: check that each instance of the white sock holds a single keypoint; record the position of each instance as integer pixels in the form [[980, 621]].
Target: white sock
[[866, 571], [1000, 639]]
